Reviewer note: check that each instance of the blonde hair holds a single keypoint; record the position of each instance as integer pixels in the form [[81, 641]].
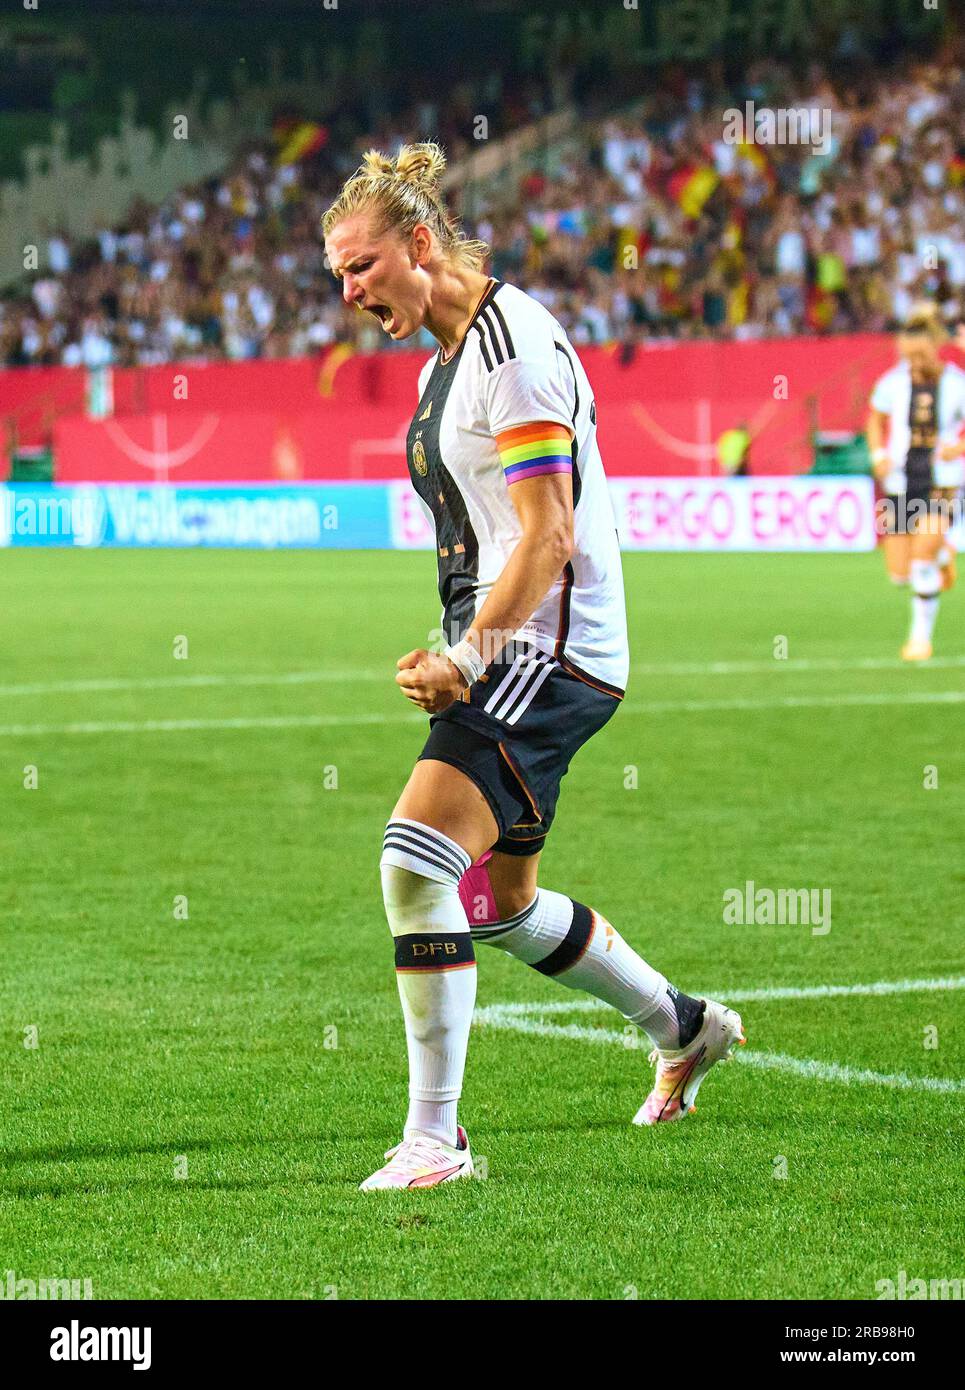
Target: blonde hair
[[403, 192], [925, 318]]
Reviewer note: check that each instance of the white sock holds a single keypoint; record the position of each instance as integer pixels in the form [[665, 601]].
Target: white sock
[[435, 968], [926, 586], [437, 1118], [582, 950], [663, 1025]]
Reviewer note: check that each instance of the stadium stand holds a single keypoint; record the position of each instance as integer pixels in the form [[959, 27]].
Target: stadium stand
[[642, 223]]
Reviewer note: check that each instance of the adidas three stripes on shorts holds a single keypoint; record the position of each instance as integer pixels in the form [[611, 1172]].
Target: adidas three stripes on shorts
[[514, 733]]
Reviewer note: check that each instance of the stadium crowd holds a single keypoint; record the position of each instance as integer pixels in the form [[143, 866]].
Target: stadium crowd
[[656, 223]]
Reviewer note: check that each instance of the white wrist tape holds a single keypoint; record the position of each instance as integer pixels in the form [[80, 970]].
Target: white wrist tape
[[879, 456], [465, 657]]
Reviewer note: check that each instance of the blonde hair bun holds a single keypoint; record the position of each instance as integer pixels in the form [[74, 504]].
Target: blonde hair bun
[[926, 317], [421, 164], [401, 193]]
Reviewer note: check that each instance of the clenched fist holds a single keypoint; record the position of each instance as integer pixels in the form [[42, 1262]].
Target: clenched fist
[[429, 680]]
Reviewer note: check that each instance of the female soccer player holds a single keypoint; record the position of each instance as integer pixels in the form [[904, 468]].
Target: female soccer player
[[914, 433], [502, 449]]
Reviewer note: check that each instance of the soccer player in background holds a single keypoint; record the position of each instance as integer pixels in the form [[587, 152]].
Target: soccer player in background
[[914, 432], [502, 450]]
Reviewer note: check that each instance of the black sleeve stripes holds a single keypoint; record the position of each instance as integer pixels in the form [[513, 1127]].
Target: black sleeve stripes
[[523, 376], [495, 340], [575, 446], [576, 390]]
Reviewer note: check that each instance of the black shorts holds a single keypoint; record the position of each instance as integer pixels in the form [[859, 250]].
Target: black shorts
[[905, 509], [514, 732]]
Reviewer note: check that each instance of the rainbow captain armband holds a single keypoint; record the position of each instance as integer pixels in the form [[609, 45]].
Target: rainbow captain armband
[[526, 451]]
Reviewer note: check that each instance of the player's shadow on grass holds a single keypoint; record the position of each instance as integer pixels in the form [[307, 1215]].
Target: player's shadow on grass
[[75, 1153], [72, 1153], [283, 1182]]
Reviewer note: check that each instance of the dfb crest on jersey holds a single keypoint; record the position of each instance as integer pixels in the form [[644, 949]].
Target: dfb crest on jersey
[[419, 459]]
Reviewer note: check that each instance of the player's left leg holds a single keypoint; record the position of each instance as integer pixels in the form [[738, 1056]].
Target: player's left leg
[[926, 540], [950, 501], [897, 547], [576, 945], [947, 564], [519, 760]]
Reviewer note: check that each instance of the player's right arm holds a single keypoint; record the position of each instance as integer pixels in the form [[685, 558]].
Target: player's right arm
[[876, 433]]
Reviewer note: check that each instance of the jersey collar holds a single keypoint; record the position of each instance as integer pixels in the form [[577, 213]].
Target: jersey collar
[[484, 299]]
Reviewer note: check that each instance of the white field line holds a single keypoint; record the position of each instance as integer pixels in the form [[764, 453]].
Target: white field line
[[756, 996], [312, 721], [896, 697], [83, 687], [792, 664], [525, 1018], [180, 726], [341, 676]]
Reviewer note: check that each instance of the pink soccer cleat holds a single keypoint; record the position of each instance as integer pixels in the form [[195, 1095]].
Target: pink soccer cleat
[[422, 1162], [680, 1072]]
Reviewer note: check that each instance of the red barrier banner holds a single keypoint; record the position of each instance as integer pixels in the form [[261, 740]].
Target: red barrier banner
[[233, 446], [661, 409]]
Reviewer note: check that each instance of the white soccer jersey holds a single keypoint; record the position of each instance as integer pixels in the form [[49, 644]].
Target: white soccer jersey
[[892, 396], [516, 367]]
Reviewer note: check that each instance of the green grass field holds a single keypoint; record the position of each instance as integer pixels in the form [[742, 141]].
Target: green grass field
[[256, 1048]]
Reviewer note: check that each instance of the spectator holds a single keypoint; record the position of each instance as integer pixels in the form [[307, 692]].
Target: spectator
[[643, 224]]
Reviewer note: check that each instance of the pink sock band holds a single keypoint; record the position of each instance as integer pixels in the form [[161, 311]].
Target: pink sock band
[[476, 893]]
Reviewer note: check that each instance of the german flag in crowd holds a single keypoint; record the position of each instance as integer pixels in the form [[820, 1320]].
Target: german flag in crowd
[[297, 139], [756, 156], [820, 309], [691, 186]]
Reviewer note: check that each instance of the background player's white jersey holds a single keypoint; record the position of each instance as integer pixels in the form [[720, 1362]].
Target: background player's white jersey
[[516, 366], [892, 397]]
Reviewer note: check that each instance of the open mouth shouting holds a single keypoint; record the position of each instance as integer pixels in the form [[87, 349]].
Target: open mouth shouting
[[384, 314]]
